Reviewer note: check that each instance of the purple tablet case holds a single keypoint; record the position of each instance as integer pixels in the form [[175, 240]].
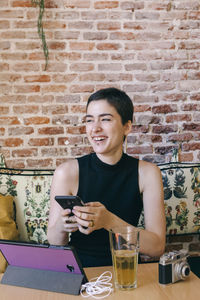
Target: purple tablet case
[[45, 267]]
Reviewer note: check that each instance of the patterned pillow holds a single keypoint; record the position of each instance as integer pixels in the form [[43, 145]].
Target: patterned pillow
[[181, 183], [8, 229], [31, 191]]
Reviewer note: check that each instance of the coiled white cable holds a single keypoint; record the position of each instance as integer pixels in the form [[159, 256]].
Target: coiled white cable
[[97, 286]]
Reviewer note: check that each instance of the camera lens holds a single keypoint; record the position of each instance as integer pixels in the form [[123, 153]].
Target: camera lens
[[183, 270]]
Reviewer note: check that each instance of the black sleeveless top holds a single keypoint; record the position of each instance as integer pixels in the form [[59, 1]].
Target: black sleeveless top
[[116, 187]]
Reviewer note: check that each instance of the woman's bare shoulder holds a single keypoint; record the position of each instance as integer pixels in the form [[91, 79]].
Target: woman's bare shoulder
[[145, 166], [149, 173], [68, 168]]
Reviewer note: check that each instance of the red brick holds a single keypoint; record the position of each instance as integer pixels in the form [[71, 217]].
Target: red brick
[[66, 35], [56, 45], [81, 67], [140, 128], [4, 24], [25, 152], [36, 120], [131, 5], [4, 45], [40, 99], [13, 99], [190, 146], [95, 36], [81, 46], [41, 142], [164, 129], [9, 77], [9, 121], [16, 131], [53, 152], [106, 4], [11, 14], [2, 131], [118, 77], [164, 150], [78, 109], [40, 163], [108, 25], [36, 78], [55, 109], [92, 77], [54, 88], [191, 126], [25, 109], [72, 56], [122, 36], [4, 110], [175, 97], [25, 67], [81, 89], [20, 3], [108, 46], [26, 89], [140, 150], [76, 130], [180, 137], [51, 130], [164, 109], [178, 118], [142, 108], [80, 25], [72, 140], [186, 157], [16, 163], [79, 151], [13, 142]]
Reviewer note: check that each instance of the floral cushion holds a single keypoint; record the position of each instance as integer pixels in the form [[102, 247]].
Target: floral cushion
[[31, 191], [181, 183]]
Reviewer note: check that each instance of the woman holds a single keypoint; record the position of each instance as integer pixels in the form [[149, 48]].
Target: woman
[[110, 183]]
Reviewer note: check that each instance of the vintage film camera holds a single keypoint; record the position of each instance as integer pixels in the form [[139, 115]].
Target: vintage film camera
[[173, 266]]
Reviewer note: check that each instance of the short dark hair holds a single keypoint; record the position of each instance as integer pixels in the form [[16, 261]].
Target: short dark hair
[[118, 99]]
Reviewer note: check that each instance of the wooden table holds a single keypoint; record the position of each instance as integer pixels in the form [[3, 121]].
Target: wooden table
[[148, 288]]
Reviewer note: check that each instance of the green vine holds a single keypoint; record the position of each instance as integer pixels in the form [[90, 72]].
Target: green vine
[[40, 4]]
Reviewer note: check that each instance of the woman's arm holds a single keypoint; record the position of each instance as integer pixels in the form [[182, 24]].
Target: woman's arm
[[65, 182], [154, 235]]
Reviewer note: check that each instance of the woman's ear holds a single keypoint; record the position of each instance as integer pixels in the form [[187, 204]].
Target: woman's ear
[[127, 127]]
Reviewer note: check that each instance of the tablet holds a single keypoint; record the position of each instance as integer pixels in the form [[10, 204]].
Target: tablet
[[42, 257]]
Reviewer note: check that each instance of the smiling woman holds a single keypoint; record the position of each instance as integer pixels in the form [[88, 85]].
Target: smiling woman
[[110, 183]]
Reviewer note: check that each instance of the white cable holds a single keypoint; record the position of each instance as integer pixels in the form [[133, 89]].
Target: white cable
[[97, 286]]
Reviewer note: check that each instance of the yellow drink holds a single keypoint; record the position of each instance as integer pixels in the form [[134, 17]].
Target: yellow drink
[[125, 268]]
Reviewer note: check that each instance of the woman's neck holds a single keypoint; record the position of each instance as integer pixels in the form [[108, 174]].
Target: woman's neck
[[110, 159]]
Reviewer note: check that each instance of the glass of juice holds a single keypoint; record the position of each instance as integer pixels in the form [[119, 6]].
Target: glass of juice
[[124, 244]]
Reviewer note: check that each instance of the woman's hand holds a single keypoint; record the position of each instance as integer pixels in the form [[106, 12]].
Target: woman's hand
[[91, 216], [69, 223]]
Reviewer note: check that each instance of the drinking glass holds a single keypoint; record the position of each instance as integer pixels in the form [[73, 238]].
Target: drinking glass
[[124, 244]]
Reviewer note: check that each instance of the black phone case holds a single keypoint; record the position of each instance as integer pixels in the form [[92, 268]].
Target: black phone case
[[69, 201]]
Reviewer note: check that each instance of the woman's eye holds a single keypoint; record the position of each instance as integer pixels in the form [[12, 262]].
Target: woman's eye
[[88, 120], [106, 119]]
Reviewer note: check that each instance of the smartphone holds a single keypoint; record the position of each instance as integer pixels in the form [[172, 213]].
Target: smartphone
[[69, 201]]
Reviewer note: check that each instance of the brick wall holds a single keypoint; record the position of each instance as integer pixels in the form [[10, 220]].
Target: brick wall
[[150, 49]]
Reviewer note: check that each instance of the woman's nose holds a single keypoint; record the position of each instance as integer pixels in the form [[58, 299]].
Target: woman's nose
[[96, 126]]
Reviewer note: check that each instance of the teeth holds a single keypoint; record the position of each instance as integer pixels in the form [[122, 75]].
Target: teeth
[[98, 138]]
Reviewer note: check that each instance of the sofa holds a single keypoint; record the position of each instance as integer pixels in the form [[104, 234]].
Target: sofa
[[30, 190]]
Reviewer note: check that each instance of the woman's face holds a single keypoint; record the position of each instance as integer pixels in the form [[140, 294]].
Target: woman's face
[[105, 130]]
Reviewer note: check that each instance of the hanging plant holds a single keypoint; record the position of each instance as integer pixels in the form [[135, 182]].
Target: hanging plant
[[41, 33]]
